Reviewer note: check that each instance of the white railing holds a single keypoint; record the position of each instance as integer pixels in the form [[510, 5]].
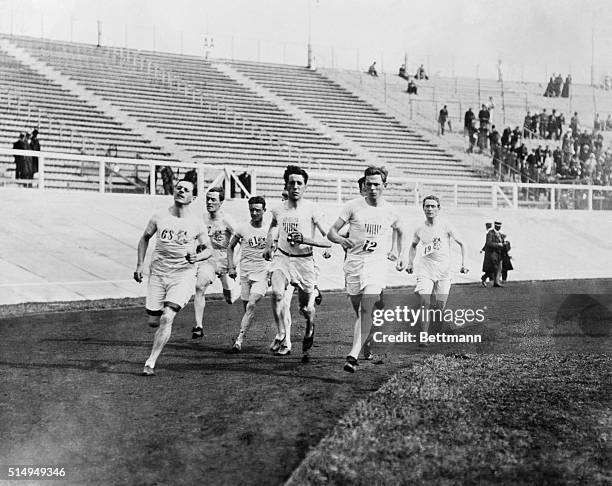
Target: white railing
[[335, 186]]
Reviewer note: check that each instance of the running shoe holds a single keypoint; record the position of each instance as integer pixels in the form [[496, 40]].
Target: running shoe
[[351, 364], [148, 371], [319, 297], [276, 344]]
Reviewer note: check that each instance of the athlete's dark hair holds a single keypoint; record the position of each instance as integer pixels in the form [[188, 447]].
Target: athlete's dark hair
[[258, 200], [360, 183], [294, 169], [381, 171], [431, 196], [190, 182], [220, 190]]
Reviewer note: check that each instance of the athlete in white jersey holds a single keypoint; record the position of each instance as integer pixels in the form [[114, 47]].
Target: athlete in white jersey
[[172, 272], [372, 222], [434, 263], [253, 266], [220, 230], [293, 262]]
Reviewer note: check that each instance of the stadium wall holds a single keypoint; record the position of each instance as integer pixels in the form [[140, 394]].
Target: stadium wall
[[64, 246]]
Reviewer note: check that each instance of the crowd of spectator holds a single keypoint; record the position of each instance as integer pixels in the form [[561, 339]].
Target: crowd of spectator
[[557, 87], [26, 166], [579, 155], [477, 129]]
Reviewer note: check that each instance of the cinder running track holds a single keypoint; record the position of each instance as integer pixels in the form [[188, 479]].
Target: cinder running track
[[72, 395]]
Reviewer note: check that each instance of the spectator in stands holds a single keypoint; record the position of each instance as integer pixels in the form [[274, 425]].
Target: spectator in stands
[[490, 105], [467, 121], [421, 74], [506, 136], [19, 145], [35, 145], [412, 87], [527, 126], [535, 127], [495, 141], [472, 136], [597, 124], [575, 124], [550, 89], [566, 87], [543, 122], [26, 169], [372, 69], [484, 116], [558, 85], [442, 119], [167, 176], [402, 72]]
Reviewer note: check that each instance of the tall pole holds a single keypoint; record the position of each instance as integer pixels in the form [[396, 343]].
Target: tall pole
[[99, 33], [593, 50], [309, 65]]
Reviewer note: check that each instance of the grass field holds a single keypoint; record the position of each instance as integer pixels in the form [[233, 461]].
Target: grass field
[[531, 404]]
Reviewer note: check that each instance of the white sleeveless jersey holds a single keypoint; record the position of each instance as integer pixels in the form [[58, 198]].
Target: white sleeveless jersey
[[433, 252], [252, 247], [175, 238], [220, 230], [371, 229], [300, 219]]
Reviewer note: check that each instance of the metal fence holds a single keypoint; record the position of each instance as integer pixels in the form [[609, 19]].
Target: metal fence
[[116, 174]]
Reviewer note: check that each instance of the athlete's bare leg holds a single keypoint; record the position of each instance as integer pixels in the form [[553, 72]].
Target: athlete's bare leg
[[280, 288], [363, 305], [307, 309], [161, 335], [247, 318]]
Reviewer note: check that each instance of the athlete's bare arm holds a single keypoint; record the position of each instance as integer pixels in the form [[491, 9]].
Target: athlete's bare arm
[[271, 238], [231, 269], [203, 251], [326, 253], [143, 244], [412, 253], [297, 237], [398, 240], [334, 237], [462, 246]]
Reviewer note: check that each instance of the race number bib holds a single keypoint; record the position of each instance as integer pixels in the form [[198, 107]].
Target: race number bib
[[433, 247], [429, 249], [369, 245]]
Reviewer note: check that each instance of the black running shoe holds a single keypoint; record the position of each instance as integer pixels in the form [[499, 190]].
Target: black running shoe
[[351, 364], [197, 333], [308, 341], [319, 297]]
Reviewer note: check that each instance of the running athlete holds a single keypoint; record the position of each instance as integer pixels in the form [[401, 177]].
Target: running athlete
[[372, 222], [293, 263], [433, 280], [253, 267], [220, 230], [172, 272]]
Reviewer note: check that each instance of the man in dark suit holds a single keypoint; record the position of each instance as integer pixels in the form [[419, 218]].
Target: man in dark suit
[[492, 263], [35, 145], [20, 144], [506, 263]]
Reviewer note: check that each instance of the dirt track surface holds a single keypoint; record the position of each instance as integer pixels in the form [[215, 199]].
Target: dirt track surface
[[72, 394]]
